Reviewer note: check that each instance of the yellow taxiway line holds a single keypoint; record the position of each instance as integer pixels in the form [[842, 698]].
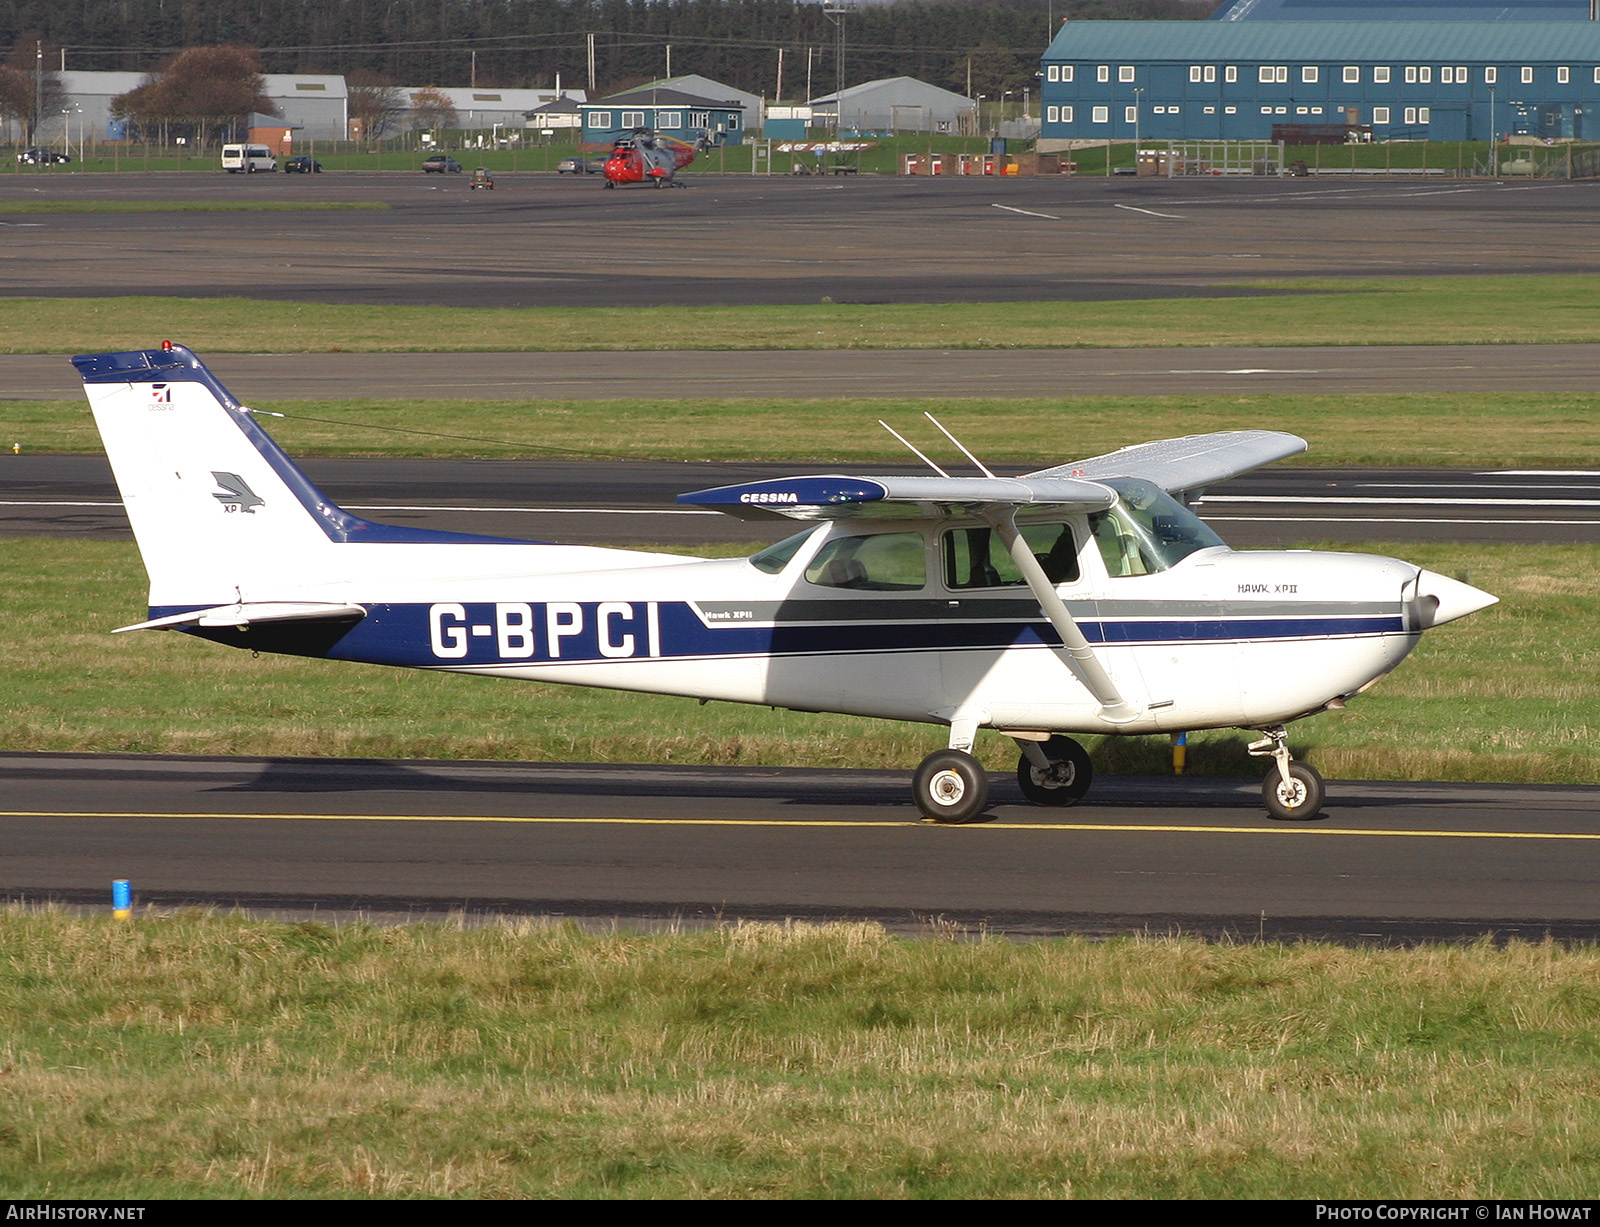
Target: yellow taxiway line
[[553, 820]]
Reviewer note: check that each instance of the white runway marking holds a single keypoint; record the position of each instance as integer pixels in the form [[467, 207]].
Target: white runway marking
[[1177, 217], [1026, 213]]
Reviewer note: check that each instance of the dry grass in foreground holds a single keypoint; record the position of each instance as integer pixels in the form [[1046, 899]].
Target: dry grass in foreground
[[210, 1056]]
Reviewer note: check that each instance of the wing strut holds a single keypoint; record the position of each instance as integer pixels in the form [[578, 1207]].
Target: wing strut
[[1085, 666]]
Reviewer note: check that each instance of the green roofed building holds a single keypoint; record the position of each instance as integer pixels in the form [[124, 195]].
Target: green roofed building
[[1238, 80]]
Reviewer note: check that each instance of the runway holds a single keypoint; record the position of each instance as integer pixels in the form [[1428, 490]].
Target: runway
[[633, 502], [694, 845], [539, 239], [797, 374]]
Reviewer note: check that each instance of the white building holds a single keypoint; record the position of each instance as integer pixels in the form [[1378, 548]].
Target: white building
[[896, 104]]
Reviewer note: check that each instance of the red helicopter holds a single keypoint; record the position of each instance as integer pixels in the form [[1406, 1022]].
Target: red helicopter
[[646, 156]]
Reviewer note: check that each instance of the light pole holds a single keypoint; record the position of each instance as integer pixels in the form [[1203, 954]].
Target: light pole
[[1137, 91], [1494, 148]]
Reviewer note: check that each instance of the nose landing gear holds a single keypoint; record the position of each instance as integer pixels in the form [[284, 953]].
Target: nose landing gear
[[1292, 792]]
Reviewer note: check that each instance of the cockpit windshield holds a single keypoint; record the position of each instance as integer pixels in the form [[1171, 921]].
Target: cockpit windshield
[[1147, 531]]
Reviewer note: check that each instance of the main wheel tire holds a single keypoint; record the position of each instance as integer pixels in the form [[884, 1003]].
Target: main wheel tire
[[1297, 801], [951, 787], [1066, 781]]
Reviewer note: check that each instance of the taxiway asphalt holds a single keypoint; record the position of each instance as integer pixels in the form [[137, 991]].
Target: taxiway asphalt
[[607, 843], [632, 502]]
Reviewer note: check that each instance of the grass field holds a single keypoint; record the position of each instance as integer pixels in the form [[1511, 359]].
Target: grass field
[[1492, 430], [1511, 694], [1405, 310], [204, 1056]]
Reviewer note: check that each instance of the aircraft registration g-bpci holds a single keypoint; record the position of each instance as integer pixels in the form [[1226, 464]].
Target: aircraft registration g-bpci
[[1085, 598]]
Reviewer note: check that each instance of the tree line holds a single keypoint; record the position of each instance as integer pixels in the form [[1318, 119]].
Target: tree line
[[529, 43]]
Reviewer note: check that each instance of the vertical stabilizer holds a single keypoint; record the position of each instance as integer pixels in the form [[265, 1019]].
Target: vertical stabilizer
[[220, 513]]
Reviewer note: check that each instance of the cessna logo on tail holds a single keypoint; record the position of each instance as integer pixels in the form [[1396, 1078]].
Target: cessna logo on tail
[[237, 496]]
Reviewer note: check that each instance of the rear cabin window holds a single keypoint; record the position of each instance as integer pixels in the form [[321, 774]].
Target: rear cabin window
[[978, 558], [883, 562], [775, 558]]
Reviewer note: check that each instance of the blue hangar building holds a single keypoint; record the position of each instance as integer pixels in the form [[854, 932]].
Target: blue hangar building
[[1234, 80]]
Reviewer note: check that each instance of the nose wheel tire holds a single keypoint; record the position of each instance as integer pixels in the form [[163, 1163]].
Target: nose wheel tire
[[1064, 782], [1297, 800], [950, 786]]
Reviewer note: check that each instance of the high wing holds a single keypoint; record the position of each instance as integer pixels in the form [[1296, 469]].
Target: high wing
[[1187, 463], [837, 497]]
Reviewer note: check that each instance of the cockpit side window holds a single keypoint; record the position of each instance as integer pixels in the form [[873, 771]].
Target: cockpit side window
[[978, 558], [882, 562]]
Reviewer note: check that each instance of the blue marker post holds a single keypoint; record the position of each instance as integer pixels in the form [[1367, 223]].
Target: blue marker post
[[1180, 751], [121, 899]]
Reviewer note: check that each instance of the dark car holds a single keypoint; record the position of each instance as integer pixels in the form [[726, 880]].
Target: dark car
[[440, 164], [42, 157], [301, 166], [580, 166]]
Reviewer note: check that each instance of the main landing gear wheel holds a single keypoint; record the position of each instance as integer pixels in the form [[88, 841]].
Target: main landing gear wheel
[[1065, 780], [1296, 799], [951, 787]]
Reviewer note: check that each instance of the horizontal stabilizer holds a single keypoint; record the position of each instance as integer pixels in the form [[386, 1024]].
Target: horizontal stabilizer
[[253, 612], [1185, 463], [834, 497]]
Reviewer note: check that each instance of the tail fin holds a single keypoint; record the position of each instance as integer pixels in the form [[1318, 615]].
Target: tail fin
[[221, 515]]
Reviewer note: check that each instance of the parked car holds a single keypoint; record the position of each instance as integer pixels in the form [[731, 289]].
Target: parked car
[[580, 166], [441, 164], [248, 159], [301, 165], [42, 157]]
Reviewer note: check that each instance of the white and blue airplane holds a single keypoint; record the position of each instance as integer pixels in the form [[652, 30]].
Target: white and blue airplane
[[1082, 599]]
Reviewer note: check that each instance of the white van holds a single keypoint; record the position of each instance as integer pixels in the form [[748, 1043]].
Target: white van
[[248, 158]]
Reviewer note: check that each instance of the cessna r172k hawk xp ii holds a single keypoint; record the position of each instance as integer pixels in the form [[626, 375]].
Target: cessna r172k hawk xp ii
[[1085, 598]]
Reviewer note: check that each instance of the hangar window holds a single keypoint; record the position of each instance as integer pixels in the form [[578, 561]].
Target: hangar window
[[1308, 75], [1461, 74], [1411, 115], [633, 119], [1266, 110], [1422, 115], [1172, 110], [1266, 74], [1352, 74], [1052, 73], [1066, 115], [1130, 115], [1597, 76], [669, 119], [1282, 110], [1066, 72], [1316, 110], [1230, 110], [1102, 74], [1527, 76], [1447, 75], [1211, 72], [1563, 76], [599, 119], [1230, 74], [1302, 110], [1425, 74], [1125, 72], [699, 119], [883, 562], [1194, 74], [1211, 110], [1159, 110], [1380, 115], [1491, 75], [1411, 74], [1052, 115], [1101, 115], [1380, 75]]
